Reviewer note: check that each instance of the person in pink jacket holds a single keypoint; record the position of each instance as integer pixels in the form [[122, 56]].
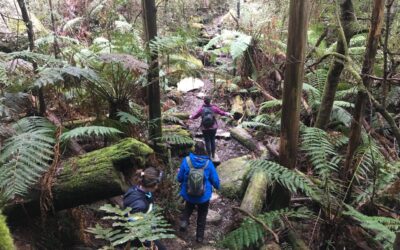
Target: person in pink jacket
[[209, 124]]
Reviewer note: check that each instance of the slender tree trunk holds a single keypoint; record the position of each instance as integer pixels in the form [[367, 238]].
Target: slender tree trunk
[[31, 38], [347, 19], [385, 52], [294, 73], [153, 88], [362, 96]]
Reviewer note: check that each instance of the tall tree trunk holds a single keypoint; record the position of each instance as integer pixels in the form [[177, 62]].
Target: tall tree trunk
[[294, 73], [31, 38], [362, 96], [347, 19], [153, 88]]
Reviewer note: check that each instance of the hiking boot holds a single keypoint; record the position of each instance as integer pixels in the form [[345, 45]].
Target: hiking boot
[[199, 239], [183, 225]]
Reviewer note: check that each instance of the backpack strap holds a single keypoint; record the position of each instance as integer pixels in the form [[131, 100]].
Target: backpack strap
[[189, 162]]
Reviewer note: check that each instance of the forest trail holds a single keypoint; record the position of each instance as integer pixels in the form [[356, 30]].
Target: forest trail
[[220, 216]]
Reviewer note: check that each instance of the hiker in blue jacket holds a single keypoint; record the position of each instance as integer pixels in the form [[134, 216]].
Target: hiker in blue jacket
[[202, 162], [140, 198]]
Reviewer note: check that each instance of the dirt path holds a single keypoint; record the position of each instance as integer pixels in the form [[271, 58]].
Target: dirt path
[[227, 148]]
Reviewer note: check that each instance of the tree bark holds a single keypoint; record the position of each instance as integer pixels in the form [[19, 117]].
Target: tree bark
[[153, 88], [347, 19], [31, 39], [294, 73], [87, 178], [362, 96]]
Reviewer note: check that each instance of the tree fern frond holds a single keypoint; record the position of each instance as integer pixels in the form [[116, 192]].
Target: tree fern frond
[[341, 115], [270, 104], [55, 75], [235, 42], [383, 227], [26, 155], [177, 139], [316, 144], [73, 24], [128, 118], [288, 178], [317, 79], [343, 104], [251, 233], [167, 118], [89, 131], [144, 227]]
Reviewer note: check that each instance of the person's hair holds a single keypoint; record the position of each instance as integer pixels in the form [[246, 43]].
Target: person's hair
[[207, 100], [199, 149], [149, 177]]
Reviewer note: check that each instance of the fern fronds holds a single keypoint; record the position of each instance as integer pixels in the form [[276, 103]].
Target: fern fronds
[[383, 227], [26, 155], [270, 104], [251, 232], [233, 41], [288, 178], [176, 139], [55, 75], [166, 118], [89, 131], [316, 143], [144, 227], [128, 118]]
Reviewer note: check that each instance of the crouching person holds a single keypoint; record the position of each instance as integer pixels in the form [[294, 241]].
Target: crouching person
[[197, 176], [140, 199]]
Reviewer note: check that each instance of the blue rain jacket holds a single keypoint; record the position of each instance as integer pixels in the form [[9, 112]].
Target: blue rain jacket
[[210, 177]]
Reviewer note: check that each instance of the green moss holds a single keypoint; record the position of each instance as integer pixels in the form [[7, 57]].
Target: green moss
[[232, 174], [96, 170], [176, 129], [6, 241]]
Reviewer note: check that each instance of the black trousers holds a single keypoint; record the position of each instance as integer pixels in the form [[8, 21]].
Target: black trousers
[[202, 211], [209, 139]]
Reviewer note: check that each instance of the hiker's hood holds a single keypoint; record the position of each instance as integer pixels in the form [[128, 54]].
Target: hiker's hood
[[198, 161]]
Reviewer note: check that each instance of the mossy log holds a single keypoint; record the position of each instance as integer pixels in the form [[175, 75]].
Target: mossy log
[[90, 177], [256, 193], [244, 138], [232, 174], [6, 241], [237, 107], [180, 115], [251, 109]]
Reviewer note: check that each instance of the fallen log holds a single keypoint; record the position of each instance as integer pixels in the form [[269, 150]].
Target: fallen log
[[237, 107], [244, 138], [87, 178], [256, 193]]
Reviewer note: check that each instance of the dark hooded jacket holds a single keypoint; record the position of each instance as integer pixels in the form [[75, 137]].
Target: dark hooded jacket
[[137, 199]]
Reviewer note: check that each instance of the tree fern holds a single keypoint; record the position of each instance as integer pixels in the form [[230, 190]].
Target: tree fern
[[251, 232], [177, 139], [236, 43], [316, 143], [128, 118], [385, 228], [288, 178], [89, 131], [270, 104], [26, 155], [55, 75], [126, 228]]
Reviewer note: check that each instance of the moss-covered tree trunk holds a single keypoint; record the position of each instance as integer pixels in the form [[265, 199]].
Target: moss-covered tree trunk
[[256, 193], [347, 19], [90, 177], [6, 241], [362, 96]]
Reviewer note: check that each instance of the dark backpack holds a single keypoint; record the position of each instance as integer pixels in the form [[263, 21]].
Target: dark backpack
[[195, 183], [207, 117]]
